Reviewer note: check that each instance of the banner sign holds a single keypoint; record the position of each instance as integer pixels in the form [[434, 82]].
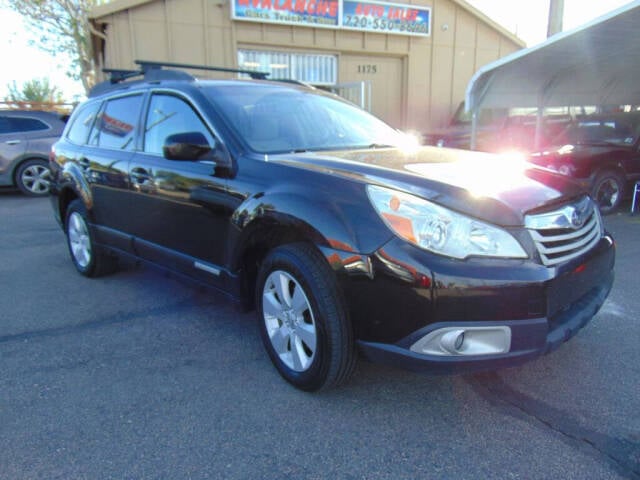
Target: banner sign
[[382, 17], [310, 13], [369, 16]]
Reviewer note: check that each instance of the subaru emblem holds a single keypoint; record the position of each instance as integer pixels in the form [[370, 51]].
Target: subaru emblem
[[577, 218]]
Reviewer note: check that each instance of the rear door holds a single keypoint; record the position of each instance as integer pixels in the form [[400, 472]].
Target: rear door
[[12, 146], [105, 161]]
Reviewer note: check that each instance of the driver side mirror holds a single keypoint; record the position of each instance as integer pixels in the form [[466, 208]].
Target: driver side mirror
[[186, 146], [194, 146]]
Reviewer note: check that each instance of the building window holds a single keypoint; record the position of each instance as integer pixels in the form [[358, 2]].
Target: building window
[[304, 67]]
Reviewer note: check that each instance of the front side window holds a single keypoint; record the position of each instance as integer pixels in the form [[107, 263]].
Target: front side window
[[82, 123], [167, 116], [115, 126]]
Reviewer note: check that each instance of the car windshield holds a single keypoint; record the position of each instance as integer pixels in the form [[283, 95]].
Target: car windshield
[[278, 119], [597, 132]]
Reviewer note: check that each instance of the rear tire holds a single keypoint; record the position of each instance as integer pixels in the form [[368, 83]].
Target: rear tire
[[86, 257], [607, 191], [302, 318], [33, 178]]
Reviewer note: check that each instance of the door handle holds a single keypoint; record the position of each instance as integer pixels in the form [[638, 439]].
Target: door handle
[[140, 175], [12, 142]]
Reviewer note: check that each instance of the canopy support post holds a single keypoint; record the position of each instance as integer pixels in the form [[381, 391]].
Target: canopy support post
[[537, 139], [474, 129]]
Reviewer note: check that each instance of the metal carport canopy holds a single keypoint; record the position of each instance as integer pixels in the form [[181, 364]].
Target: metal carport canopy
[[596, 64]]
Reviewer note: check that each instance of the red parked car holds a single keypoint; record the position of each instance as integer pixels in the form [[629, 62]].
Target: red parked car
[[601, 152]]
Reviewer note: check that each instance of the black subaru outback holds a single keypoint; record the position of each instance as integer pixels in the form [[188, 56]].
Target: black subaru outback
[[344, 235]]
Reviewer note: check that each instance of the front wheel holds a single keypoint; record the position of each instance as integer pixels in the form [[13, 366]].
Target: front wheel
[[86, 257], [303, 321], [607, 191]]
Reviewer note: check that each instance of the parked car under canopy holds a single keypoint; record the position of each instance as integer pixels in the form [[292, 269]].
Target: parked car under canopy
[[591, 65]]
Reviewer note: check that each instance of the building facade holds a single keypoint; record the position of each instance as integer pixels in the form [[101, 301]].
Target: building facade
[[407, 63]]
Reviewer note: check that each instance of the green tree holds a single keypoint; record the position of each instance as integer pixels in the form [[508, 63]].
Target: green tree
[[37, 90], [63, 28]]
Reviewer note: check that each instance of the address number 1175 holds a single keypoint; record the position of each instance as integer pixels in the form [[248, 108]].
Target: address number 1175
[[368, 69]]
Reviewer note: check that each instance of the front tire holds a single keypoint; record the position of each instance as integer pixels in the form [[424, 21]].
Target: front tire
[[303, 320], [33, 178], [607, 191], [86, 257]]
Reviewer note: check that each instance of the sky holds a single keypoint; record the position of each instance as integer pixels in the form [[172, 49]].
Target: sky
[[528, 18], [23, 61]]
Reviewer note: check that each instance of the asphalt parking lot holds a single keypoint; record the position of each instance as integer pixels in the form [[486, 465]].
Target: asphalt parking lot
[[140, 375]]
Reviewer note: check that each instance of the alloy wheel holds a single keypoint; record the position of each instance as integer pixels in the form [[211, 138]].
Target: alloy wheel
[[608, 193], [79, 240], [289, 321], [35, 179]]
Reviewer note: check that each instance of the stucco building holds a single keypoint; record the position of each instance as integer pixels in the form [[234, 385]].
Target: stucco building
[[407, 63]]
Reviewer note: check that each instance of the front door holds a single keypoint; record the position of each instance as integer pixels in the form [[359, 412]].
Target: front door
[[179, 216]]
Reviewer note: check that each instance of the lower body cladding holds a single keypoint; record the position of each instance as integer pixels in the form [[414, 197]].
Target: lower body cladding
[[427, 313]]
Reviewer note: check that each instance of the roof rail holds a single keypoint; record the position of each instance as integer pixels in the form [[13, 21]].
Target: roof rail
[[153, 71]]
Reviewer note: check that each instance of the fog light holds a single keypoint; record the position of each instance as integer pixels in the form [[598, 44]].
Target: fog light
[[467, 340], [459, 342], [452, 341]]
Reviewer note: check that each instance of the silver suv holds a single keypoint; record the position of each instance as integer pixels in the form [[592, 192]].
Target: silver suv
[[25, 142]]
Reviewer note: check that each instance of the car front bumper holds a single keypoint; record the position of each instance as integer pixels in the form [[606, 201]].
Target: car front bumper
[[409, 294], [530, 338]]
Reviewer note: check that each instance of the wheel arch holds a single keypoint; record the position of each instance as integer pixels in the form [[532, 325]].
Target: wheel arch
[[65, 197], [613, 170], [613, 167], [72, 185], [268, 221]]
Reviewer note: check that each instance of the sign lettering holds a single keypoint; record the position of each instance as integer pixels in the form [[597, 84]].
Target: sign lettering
[[370, 16]]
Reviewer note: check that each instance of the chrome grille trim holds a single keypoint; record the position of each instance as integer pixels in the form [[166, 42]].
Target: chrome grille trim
[[555, 237]]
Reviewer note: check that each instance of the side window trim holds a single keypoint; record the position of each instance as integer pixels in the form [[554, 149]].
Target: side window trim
[[91, 137], [76, 118]]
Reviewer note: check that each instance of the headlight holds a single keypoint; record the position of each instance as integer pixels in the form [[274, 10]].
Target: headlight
[[441, 230]]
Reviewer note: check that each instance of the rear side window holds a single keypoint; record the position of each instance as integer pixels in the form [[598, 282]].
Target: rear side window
[[116, 125], [82, 123], [21, 124]]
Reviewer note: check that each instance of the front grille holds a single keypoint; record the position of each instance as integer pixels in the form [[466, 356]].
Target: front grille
[[566, 233]]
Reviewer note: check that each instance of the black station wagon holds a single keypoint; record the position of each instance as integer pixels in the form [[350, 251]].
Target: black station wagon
[[342, 233]]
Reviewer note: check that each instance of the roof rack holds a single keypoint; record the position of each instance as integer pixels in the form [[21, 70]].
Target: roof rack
[[154, 71]]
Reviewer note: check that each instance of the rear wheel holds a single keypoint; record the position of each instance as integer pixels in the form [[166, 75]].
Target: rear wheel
[[607, 191], [86, 257], [303, 321], [33, 178]]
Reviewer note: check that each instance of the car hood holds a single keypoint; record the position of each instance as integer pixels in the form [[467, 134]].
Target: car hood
[[460, 131], [579, 151], [497, 189]]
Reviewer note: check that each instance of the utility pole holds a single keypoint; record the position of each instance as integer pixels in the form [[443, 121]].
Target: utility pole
[[556, 12]]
